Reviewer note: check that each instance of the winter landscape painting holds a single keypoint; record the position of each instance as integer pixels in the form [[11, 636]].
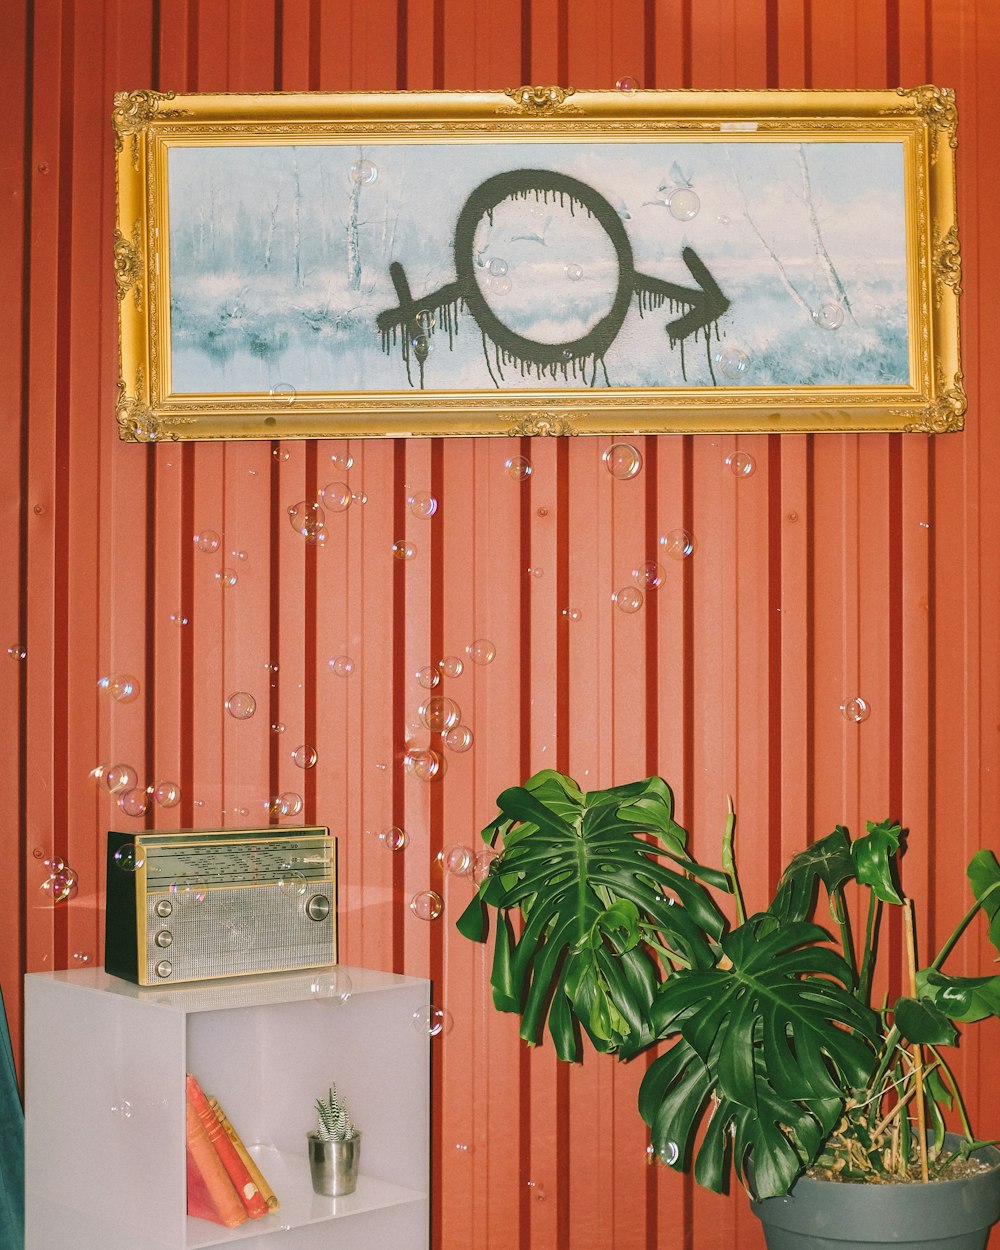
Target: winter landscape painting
[[322, 267]]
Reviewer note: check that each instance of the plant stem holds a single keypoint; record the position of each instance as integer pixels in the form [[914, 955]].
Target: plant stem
[[838, 909], [918, 1058], [729, 863], [963, 924], [956, 1092], [868, 958]]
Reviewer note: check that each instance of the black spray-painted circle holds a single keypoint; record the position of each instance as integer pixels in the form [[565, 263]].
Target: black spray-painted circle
[[542, 183]]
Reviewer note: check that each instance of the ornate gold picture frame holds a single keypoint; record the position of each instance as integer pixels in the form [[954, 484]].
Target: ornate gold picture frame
[[537, 261]]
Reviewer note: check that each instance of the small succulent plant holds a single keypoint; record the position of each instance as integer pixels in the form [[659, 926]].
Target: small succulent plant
[[333, 1120]]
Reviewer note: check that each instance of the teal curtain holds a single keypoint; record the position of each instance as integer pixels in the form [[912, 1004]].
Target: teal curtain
[[11, 1145]]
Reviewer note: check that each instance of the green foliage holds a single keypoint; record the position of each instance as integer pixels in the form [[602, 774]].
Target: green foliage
[[775, 1059], [333, 1123]]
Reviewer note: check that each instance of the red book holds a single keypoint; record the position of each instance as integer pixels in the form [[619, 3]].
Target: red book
[[250, 1196], [211, 1194]]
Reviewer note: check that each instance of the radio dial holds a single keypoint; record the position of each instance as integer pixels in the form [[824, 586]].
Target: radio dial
[[164, 938], [164, 907], [318, 907], [164, 968]]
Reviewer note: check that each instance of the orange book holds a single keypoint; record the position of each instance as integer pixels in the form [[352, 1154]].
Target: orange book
[[212, 1195], [267, 1193], [236, 1169]]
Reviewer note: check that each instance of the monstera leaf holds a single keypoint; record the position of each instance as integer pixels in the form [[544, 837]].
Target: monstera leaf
[[984, 875], [773, 1042], [773, 1144], [965, 999], [595, 902], [827, 860], [874, 857]]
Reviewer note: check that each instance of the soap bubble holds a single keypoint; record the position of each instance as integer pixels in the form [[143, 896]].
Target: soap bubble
[[451, 666], [427, 905], [422, 504], [574, 272], [335, 985], [307, 519], [571, 614], [741, 463], [431, 1020], [275, 806], [59, 887], [225, 577], [207, 540], [280, 453], [17, 652], [684, 204], [499, 286], [336, 496], [342, 460], [292, 883], [537, 1190], [278, 727], [359, 499], [628, 599], [498, 267], [120, 777], [439, 714], [179, 619], [123, 687], [129, 857], [481, 652], [650, 574], [456, 859], [483, 864], [133, 802], [428, 677], [458, 739], [167, 793], [733, 362], [622, 460], [518, 467], [54, 863], [304, 757], [81, 958], [241, 706], [364, 173], [403, 550], [395, 839], [425, 320], [291, 803], [829, 316], [421, 344], [464, 1147], [533, 571], [855, 709], [342, 665], [678, 544], [424, 765], [282, 392], [627, 84]]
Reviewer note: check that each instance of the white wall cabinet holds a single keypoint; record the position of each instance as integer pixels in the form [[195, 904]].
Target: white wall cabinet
[[105, 1063]]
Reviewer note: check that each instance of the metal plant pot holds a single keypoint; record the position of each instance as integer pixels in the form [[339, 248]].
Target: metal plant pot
[[334, 1164], [942, 1215]]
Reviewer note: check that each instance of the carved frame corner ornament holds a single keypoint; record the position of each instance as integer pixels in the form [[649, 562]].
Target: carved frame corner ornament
[[945, 416], [129, 264], [541, 101], [936, 105], [137, 423], [532, 424]]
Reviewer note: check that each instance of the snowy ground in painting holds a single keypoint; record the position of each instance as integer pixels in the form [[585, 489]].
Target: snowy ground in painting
[[280, 265]]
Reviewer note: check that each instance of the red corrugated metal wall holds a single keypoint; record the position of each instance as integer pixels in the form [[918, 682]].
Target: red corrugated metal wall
[[843, 565]]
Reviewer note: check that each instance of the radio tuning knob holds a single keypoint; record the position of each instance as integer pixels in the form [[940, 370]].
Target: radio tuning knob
[[163, 968], [318, 907], [164, 907], [164, 938]]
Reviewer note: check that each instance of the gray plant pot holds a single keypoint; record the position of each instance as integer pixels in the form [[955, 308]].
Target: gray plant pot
[[334, 1165], [942, 1215]]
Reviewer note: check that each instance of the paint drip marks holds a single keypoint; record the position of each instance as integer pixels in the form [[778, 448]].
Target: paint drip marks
[[542, 196], [417, 337], [650, 301], [572, 370]]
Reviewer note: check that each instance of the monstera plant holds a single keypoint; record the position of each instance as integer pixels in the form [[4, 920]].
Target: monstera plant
[[776, 1059]]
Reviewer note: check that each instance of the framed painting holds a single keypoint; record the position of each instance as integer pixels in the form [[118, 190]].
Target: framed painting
[[537, 261]]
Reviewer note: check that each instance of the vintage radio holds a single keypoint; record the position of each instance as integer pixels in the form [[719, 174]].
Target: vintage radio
[[194, 904]]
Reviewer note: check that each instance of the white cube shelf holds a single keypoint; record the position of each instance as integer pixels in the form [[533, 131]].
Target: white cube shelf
[[105, 1063]]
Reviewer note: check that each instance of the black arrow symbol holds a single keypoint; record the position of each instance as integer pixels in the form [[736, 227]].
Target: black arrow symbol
[[707, 301]]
